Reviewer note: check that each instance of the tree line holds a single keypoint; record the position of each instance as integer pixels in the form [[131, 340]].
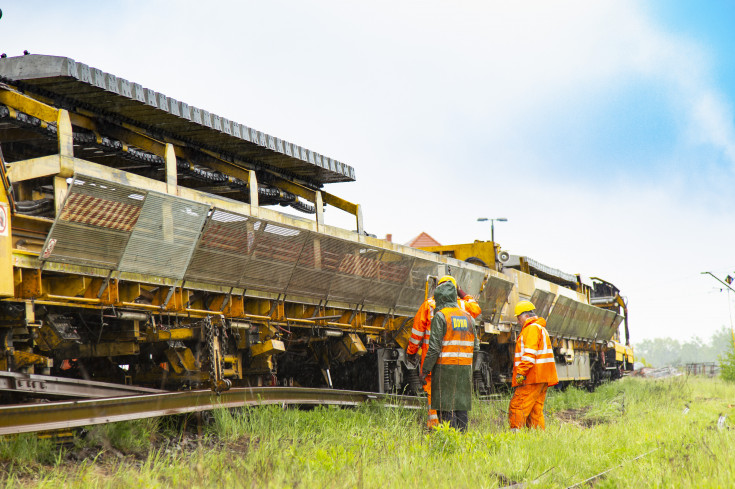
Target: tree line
[[662, 352]]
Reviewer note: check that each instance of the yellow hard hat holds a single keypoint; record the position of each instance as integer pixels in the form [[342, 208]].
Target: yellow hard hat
[[447, 278], [524, 306]]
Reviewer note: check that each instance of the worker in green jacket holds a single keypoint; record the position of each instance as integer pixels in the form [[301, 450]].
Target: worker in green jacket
[[452, 345]]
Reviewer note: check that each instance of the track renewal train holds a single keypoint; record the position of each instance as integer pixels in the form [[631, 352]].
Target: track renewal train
[[138, 245]]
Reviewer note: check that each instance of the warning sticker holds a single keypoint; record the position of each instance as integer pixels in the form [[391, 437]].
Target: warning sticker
[[4, 221], [49, 249]]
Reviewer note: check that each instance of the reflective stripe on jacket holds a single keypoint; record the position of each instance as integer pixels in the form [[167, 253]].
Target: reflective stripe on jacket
[[534, 355], [458, 343], [421, 329]]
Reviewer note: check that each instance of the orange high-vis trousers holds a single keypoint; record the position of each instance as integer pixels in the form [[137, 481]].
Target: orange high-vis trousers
[[433, 417], [527, 406]]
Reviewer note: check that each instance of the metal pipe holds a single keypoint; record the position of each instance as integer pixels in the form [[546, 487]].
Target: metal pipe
[[144, 306], [132, 316], [240, 324], [75, 299]]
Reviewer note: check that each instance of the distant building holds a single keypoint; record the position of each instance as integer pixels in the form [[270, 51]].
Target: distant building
[[423, 240]]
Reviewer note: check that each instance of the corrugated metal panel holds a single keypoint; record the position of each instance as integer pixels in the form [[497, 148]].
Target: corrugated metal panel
[[276, 250], [94, 224], [262, 255], [543, 301], [616, 320], [414, 290], [224, 249], [310, 278], [589, 318], [560, 317], [118, 227], [573, 319], [164, 237], [493, 297], [355, 266], [467, 279], [393, 271]]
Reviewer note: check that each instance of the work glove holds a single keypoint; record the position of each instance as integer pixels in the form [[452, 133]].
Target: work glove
[[461, 293], [422, 377], [413, 359], [520, 379]]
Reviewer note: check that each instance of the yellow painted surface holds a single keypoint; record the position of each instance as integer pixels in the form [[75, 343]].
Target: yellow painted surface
[[354, 345], [61, 189], [34, 168], [119, 348], [66, 142], [7, 287], [171, 170], [479, 249], [269, 347], [176, 334], [182, 360], [27, 105], [25, 359], [404, 335]]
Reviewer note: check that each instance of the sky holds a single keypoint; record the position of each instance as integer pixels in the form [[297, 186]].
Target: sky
[[603, 131]]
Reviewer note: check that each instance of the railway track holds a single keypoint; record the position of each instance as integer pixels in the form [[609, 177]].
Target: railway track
[[28, 418], [50, 386]]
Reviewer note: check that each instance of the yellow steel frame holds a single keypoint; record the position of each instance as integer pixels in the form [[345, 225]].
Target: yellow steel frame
[[484, 250], [24, 279], [168, 149]]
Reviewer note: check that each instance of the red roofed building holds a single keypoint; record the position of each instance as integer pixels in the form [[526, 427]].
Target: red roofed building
[[423, 240]]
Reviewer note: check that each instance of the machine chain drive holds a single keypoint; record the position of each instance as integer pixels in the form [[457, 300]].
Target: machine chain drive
[[213, 340]]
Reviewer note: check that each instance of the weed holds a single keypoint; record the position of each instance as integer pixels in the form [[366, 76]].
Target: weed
[[127, 436], [27, 448]]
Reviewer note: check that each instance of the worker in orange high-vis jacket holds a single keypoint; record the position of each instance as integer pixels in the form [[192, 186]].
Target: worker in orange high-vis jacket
[[534, 369], [421, 331], [452, 347]]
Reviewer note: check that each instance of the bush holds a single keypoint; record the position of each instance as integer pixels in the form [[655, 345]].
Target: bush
[[727, 366]]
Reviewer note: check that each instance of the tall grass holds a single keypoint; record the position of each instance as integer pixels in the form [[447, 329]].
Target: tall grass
[[373, 446]]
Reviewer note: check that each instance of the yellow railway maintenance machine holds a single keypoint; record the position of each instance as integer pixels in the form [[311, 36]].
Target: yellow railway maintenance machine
[[137, 246], [582, 318]]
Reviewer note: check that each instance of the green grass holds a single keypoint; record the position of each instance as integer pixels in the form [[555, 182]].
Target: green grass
[[372, 446]]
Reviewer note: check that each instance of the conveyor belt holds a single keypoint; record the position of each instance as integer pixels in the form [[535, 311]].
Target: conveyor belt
[[80, 85], [61, 415]]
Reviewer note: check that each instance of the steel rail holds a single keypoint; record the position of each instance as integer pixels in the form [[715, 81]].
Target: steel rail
[[595, 477], [48, 385], [28, 418]]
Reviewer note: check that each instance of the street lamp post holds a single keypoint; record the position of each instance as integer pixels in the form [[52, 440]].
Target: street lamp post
[[492, 225]]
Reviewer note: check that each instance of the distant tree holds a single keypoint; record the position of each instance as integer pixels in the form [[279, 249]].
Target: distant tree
[[722, 341], [659, 352], [727, 358], [727, 365], [662, 352]]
